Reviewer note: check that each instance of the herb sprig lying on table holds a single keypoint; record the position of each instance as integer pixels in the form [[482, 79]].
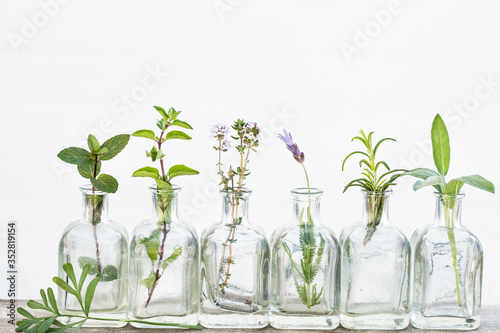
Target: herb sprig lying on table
[[52, 323]]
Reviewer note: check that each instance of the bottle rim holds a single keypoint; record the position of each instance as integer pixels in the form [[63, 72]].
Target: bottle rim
[[449, 196], [175, 189], [87, 189], [304, 191]]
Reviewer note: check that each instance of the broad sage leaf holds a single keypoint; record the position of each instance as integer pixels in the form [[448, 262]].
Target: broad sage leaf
[[431, 181], [479, 182]]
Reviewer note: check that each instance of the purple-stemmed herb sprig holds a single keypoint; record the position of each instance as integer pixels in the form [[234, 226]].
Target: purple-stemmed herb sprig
[[154, 246]]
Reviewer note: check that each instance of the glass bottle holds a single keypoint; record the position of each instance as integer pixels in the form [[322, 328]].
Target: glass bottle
[[101, 243], [375, 269], [234, 268], [305, 273], [164, 266], [447, 272]]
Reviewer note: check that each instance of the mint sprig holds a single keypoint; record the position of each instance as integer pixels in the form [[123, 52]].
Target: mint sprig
[[89, 162], [155, 242]]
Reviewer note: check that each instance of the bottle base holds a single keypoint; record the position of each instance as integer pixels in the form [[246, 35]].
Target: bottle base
[[444, 322], [382, 321], [232, 319], [190, 319], [282, 320]]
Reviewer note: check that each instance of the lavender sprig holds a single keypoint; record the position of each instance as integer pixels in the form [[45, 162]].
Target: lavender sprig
[[311, 255]]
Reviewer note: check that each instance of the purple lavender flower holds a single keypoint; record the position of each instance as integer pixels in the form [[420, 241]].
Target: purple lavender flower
[[287, 139]]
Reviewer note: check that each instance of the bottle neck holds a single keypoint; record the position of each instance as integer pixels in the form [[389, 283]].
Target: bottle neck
[[306, 206], [165, 205], [94, 205], [448, 210], [375, 208], [235, 207]]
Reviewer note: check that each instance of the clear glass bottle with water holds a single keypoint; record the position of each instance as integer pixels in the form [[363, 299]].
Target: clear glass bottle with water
[[164, 266], [447, 271], [375, 270], [234, 268], [102, 244], [305, 273]]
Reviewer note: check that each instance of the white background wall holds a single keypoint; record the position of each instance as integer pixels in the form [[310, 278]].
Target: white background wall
[[308, 66]]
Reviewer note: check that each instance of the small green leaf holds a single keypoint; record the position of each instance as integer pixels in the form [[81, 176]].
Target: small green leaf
[[46, 325], [163, 185], [75, 155], [105, 183], [479, 182], [431, 181], [440, 145], [68, 268], [25, 313], [181, 170], [147, 172], [115, 145], [109, 273], [155, 154], [87, 170], [44, 297], [152, 244], [148, 134], [162, 112], [36, 305], [93, 144], [83, 276], [89, 294], [177, 252], [453, 187], [148, 282], [52, 300], [91, 262], [181, 123], [176, 135], [64, 286]]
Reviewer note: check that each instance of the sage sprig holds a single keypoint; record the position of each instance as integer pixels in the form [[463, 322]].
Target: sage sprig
[[375, 182], [52, 322], [311, 253], [441, 153], [89, 162], [155, 242]]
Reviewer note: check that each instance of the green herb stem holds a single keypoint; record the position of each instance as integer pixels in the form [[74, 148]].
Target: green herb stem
[[449, 215]]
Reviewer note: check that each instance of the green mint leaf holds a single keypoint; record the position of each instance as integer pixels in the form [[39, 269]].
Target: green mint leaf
[[148, 282], [148, 134], [93, 144], [109, 273], [431, 181], [161, 124], [440, 145], [163, 185], [162, 112], [453, 187], [152, 244], [102, 151], [91, 262], [181, 123], [176, 135], [89, 294], [105, 183], [87, 171], [75, 155], [181, 170], [479, 182], [177, 252], [115, 145], [147, 172]]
